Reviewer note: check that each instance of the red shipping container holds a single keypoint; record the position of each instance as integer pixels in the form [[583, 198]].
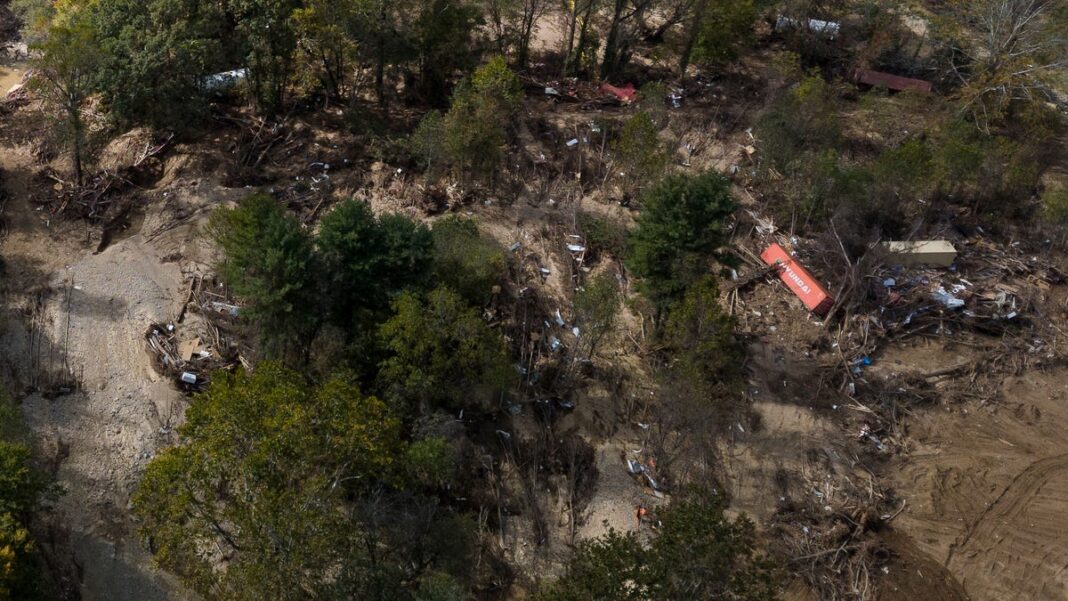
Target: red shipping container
[[799, 280], [892, 82]]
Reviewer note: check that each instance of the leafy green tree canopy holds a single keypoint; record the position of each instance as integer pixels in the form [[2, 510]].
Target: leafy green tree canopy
[[263, 474], [699, 554], [465, 260], [24, 490], [271, 264], [442, 353], [156, 54], [680, 233], [368, 260]]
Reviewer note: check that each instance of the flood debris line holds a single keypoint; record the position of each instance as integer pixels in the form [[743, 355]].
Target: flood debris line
[[584, 93], [827, 28], [827, 528], [997, 303], [190, 351], [92, 199]]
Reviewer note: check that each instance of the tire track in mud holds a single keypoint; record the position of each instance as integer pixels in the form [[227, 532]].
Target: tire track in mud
[[1009, 532]]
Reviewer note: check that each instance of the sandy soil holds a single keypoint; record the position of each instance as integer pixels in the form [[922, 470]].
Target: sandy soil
[[90, 322], [985, 485], [10, 76]]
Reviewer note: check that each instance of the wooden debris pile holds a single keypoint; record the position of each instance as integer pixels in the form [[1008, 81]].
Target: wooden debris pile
[[827, 529], [191, 352], [92, 199]]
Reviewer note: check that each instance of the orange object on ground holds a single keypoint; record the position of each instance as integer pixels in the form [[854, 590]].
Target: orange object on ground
[[799, 280], [641, 514], [892, 82], [627, 94]]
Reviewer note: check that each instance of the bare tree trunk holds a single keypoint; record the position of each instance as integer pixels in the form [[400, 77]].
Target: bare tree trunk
[[380, 55], [76, 131], [691, 37], [612, 42], [572, 27], [584, 37]]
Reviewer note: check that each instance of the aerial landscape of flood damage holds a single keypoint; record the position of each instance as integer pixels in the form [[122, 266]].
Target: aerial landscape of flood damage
[[558, 300]]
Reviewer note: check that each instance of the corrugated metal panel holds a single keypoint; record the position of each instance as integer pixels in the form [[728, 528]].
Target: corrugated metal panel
[[799, 280], [892, 82]]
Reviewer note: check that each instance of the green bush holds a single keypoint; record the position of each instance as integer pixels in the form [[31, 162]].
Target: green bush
[[640, 158], [466, 261], [602, 234], [805, 119], [1055, 206]]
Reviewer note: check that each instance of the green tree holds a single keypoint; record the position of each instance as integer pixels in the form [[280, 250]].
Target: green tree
[[703, 555], [444, 44], [717, 32], [24, 491], [270, 263], [639, 155], [326, 31], [442, 354], [475, 127], [624, 21], [698, 554], [607, 567], [66, 62], [36, 16], [466, 261], [580, 39], [264, 474], [268, 37], [699, 339], [155, 56], [680, 233], [366, 262], [513, 23], [596, 307], [428, 142], [438, 586], [384, 37], [1015, 51]]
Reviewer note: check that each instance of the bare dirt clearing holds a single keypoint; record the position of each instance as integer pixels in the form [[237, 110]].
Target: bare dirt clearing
[[986, 485], [74, 337]]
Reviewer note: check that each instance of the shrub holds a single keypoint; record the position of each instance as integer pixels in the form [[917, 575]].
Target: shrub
[[465, 261], [602, 234], [1055, 206], [639, 156]]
